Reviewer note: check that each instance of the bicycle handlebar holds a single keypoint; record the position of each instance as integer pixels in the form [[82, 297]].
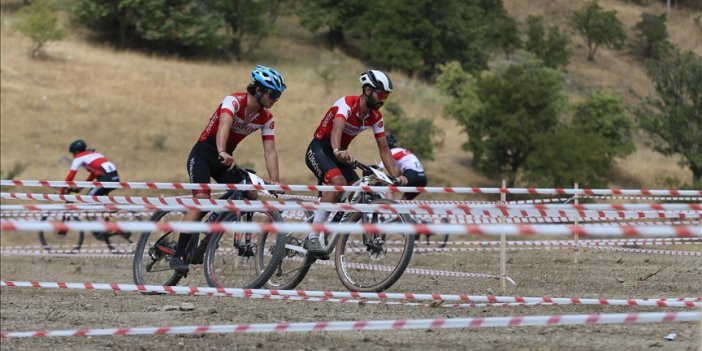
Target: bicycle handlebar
[[368, 171]]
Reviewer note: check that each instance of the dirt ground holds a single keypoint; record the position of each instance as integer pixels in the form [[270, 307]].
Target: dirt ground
[[537, 273]]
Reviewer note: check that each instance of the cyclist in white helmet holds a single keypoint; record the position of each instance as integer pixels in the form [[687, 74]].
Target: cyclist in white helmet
[[212, 156], [327, 155]]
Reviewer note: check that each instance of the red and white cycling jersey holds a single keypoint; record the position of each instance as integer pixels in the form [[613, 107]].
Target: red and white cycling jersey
[[405, 160], [348, 108], [235, 104], [94, 162]]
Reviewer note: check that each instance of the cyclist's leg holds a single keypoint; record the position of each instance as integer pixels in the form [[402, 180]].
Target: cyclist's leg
[[321, 161], [199, 165], [414, 178], [107, 177]]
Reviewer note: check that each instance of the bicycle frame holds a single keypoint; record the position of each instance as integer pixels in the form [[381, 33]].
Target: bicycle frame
[[370, 176]]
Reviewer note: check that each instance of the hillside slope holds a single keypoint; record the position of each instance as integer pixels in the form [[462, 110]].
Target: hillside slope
[[145, 112]]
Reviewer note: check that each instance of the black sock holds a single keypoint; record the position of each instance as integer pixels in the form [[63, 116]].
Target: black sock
[[183, 240]]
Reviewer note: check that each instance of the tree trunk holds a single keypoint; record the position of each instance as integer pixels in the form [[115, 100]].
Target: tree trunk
[[696, 176]]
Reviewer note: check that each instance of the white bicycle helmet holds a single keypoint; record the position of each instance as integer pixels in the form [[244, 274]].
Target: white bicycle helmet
[[376, 80]]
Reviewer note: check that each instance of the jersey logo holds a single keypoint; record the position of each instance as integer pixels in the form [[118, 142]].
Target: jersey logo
[[272, 125], [380, 125]]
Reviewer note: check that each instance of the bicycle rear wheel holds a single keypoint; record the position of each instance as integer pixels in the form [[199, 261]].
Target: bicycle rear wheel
[[54, 241], [153, 253], [295, 263], [434, 240], [231, 258], [372, 262]]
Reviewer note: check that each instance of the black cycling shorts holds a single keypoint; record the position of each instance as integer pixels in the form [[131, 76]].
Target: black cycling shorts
[[321, 161], [414, 178], [107, 177], [203, 164]]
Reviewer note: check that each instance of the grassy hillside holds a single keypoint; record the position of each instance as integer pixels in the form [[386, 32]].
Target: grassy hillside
[[145, 112]]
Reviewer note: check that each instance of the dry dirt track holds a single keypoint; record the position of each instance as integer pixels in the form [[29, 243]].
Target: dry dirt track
[[538, 273]]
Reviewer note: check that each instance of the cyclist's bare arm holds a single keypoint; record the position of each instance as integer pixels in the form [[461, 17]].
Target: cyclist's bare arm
[[270, 153], [337, 130], [225, 123]]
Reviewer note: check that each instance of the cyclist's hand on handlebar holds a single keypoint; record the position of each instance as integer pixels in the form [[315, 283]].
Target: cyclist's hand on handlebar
[[276, 192], [227, 159], [401, 180], [343, 156]]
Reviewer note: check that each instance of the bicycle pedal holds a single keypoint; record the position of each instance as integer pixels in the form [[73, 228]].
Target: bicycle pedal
[[321, 257]]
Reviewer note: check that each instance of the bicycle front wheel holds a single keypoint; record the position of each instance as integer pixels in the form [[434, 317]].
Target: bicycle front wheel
[[231, 258], [57, 242], [295, 263], [154, 251], [372, 262]]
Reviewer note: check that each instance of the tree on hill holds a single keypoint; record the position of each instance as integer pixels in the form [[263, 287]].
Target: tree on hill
[[335, 16], [185, 27], [248, 22], [416, 36], [502, 29], [598, 27], [604, 114], [39, 22], [517, 103], [674, 117], [551, 49], [568, 155], [179, 26], [460, 86], [651, 29], [413, 134]]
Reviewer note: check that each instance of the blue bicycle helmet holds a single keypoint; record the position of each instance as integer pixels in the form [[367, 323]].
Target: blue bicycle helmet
[[269, 78], [77, 146]]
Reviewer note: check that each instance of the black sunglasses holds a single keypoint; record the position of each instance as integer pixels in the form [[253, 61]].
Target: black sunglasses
[[274, 95]]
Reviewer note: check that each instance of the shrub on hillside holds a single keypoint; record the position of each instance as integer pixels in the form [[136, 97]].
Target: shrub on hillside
[[39, 22]]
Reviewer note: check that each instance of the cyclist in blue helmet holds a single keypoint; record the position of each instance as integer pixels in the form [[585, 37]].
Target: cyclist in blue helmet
[[212, 157]]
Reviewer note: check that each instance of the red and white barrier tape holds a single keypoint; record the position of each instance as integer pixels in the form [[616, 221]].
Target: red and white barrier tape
[[584, 242], [515, 248], [686, 302], [648, 251], [282, 227], [404, 324], [459, 190], [246, 205], [78, 254], [422, 211]]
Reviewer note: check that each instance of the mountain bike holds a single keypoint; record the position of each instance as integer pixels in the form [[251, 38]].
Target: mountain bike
[[58, 241], [229, 258], [367, 262]]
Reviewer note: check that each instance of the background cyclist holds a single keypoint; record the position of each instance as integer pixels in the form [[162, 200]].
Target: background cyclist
[[238, 115], [408, 164], [98, 167], [327, 155], [95, 163]]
